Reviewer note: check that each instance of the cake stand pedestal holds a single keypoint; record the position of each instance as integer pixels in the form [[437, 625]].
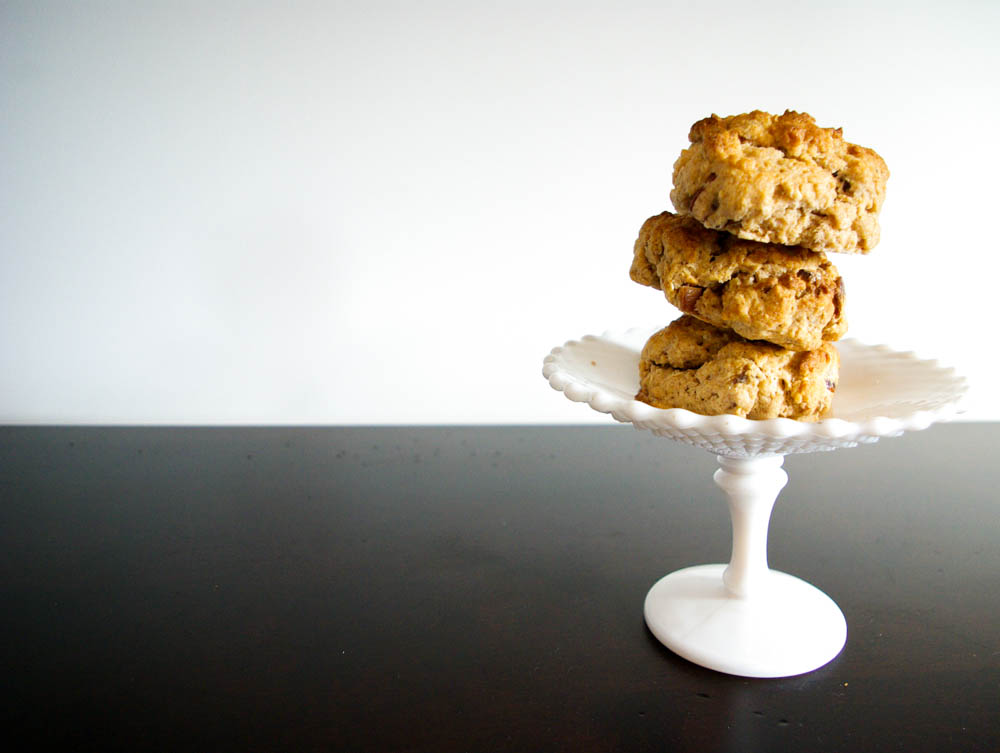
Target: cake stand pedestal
[[744, 618]]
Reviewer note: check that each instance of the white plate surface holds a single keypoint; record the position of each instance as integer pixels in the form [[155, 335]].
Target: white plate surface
[[881, 393]]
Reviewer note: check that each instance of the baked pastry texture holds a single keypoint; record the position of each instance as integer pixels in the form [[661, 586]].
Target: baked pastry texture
[[781, 179], [786, 295], [691, 364]]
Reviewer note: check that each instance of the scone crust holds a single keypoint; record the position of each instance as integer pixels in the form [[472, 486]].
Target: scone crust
[[781, 179], [691, 364]]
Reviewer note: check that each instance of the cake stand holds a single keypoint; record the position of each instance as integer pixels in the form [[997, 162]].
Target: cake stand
[[744, 618]]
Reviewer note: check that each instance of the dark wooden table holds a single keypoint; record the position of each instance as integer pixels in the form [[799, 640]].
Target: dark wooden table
[[475, 589]]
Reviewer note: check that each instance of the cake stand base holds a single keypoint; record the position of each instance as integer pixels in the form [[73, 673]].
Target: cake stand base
[[789, 627]]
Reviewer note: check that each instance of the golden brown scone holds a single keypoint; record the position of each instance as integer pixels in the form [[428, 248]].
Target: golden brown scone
[[691, 364], [781, 179], [786, 295]]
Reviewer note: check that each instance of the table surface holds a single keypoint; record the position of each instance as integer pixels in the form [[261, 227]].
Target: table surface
[[480, 588]]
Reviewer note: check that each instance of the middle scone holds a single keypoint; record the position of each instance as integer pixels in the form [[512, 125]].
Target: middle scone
[[786, 295]]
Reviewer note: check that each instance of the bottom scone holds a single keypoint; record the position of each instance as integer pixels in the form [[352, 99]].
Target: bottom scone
[[693, 365]]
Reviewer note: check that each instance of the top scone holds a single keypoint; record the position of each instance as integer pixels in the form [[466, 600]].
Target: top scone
[[781, 179]]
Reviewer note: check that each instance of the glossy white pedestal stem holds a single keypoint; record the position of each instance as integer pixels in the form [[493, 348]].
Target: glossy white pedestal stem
[[745, 619]]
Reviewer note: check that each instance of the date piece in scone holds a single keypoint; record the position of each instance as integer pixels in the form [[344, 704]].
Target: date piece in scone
[[786, 295], [781, 179], [691, 364]]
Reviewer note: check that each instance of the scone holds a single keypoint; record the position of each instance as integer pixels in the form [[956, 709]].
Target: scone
[[786, 295], [691, 364], [781, 179]]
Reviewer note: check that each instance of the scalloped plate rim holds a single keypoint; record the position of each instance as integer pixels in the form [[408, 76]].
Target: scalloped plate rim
[[647, 416]]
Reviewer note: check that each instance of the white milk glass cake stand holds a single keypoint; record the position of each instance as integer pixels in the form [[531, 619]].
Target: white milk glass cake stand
[[744, 618]]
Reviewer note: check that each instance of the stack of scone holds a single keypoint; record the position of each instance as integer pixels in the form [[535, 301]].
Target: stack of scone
[[760, 199]]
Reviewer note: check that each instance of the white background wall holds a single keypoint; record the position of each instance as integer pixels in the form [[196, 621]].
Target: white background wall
[[374, 212]]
